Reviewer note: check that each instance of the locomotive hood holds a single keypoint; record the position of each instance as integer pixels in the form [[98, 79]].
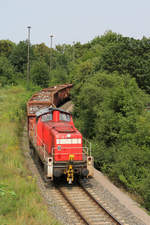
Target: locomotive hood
[[64, 129]]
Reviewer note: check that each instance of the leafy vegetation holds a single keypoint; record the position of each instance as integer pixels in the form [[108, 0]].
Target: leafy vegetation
[[111, 77], [20, 201], [110, 111]]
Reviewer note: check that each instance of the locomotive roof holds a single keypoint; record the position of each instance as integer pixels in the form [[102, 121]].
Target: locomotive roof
[[49, 109]]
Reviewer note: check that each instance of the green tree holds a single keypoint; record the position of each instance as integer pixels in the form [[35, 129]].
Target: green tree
[[18, 56], [41, 51], [7, 72], [127, 55], [40, 73], [6, 47], [64, 55], [110, 112]]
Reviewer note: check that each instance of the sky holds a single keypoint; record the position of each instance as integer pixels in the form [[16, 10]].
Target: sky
[[72, 20]]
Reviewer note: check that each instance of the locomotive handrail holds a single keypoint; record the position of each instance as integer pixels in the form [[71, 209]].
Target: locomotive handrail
[[89, 143], [83, 153], [62, 148], [42, 146]]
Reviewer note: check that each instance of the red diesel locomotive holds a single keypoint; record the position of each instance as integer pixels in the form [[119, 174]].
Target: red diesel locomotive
[[52, 133]]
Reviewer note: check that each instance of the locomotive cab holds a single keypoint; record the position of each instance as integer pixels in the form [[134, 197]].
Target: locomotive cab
[[60, 146]]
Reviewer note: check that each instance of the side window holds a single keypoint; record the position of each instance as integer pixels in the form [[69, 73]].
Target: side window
[[64, 117], [47, 117]]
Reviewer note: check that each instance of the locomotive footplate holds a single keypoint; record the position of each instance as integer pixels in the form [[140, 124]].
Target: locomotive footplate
[[70, 169], [60, 164]]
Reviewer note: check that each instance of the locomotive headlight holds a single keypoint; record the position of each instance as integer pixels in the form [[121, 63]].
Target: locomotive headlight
[[89, 160]]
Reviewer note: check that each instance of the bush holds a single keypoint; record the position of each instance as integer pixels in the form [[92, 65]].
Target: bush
[[111, 112], [40, 73], [7, 72]]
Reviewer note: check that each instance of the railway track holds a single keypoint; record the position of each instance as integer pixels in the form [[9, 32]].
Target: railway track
[[87, 208], [57, 204], [80, 202]]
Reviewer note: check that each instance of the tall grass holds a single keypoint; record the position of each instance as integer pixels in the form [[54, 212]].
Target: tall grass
[[20, 201]]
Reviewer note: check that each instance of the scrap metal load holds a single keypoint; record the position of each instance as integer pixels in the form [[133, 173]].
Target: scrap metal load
[[53, 96], [54, 138]]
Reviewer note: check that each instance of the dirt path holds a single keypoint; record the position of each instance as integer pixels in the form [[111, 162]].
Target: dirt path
[[123, 198]]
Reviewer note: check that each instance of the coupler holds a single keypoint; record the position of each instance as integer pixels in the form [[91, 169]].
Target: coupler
[[69, 171]]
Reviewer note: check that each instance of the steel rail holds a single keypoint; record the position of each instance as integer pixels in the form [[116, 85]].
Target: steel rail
[[99, 204], [70, 203], [115, 220]]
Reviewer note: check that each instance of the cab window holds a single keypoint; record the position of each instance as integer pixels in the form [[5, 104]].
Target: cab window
[[64, 117], [47, 117]]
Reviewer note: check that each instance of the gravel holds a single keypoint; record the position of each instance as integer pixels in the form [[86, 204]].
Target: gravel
[[127, 209]]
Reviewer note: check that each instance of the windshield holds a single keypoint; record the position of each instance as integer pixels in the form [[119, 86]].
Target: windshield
[[47, 117], [64, 117]]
